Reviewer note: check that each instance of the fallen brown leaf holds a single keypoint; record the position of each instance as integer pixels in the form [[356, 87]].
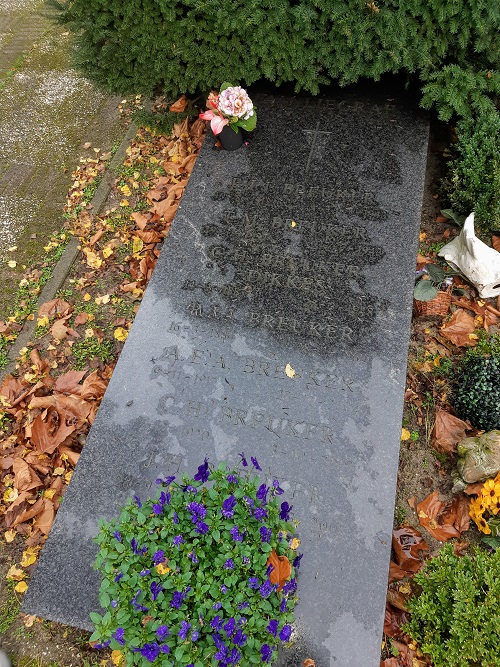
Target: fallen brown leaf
[[281, 569], [179, 105], [460, 329], [444, 520], [448, 431], [408, 543]]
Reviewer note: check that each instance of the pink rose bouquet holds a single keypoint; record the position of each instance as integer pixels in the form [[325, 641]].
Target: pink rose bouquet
[[231, 106]]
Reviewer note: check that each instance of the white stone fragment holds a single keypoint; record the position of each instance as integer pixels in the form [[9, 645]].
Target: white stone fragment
[[479, 263]]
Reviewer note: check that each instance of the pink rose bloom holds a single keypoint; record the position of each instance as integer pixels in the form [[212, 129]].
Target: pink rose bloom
[[234, 101]]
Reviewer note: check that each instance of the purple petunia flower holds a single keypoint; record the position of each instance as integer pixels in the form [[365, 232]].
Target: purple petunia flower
[[144, 573], [117, 535], [178, 539], [202, 474], [135, 547], [162, 632], [164, 648], [235, 534], [265, 534], [229, 627], [234, 658], [249, 501], [273, 627], [194, 635], [184, 630], [177, 600], [155, 589], [192, 555], [149, 651], [239, 638], [216, 623], [216, 606], [196, 510], [158, 557], [255, 463], [283, 606], [246, 560], [229, 564], [165, 482], [277, 490], [157, 509], [118, 577], [137, 501], [285, 633], [266, 652], [164, 498], [228, 506], [269, 569], [119, 636], [243, 605], [103, 645], [285, 511], [253, 582], [242, 620], [290, 586], [266, 589], [218, 641], [201, 528], [296, 561], [223, 589], [262, 493], [243, 459], [260, 513], [175, 518], [232, 479]]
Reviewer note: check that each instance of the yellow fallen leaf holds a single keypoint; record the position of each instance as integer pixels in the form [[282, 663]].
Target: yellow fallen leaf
[[87, 297], [42, 321], [124, 203], [29, 557], [58, 471], [126, 190], [295, 543], [28, 620], [117, 657], [9, 535], [93, 260], [89, 333], [294, 224], [10, 495], [68, 476], [102, 299], [162, 568], [49, 493], [12, 264], [15, 573], [405, 434], [137, 245], [23, 282], [121, 334], [289, 371], [107, 252], [21, 587], [422, 236]]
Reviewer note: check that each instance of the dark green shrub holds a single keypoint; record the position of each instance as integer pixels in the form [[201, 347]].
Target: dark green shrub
[[475, 183], [455, 619], [477, 393]]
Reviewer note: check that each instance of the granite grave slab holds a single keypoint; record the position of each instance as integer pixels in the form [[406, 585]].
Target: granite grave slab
[[297, 250]]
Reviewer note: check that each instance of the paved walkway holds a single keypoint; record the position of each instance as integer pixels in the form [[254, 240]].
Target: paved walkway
[[47, 112]]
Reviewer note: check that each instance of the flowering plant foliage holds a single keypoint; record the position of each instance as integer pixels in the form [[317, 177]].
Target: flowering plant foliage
[[232, 107], [187, 578], [485, 508]]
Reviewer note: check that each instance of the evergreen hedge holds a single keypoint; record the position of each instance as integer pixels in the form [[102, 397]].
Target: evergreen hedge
[[185, 46]]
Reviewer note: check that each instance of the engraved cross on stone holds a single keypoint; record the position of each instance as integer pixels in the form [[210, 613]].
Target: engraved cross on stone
[[313, 136]]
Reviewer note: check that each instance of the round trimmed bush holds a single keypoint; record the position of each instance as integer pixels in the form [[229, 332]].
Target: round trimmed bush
[[477, 394]]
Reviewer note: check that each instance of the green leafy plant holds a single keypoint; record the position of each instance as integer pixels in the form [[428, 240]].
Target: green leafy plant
[[455, 618], [476, 396], [89, 348], [199, 575], [430, 281]]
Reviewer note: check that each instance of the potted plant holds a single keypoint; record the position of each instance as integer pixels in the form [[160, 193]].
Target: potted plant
[[433, 289], [229, 111]]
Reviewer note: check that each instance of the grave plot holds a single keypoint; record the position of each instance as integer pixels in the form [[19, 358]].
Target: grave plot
[[276, 324]]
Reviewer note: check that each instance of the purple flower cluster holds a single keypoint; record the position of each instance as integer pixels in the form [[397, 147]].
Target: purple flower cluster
[[158, 557], [163, 500], [285, 511], [136, 549], [155, 589], [202, 474], [228, 506], [198, 513], [235, 534], [265, 534], [152, 651], [227, 650], [178, 598]]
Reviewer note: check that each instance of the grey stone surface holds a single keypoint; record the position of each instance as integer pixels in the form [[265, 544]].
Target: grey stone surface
[[298, 249]]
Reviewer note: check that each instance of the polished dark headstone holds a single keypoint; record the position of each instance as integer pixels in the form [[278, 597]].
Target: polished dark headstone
[[297, 250]]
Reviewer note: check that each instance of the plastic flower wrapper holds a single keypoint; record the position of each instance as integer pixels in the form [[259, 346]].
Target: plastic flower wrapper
[[233, 107], [188, 577]]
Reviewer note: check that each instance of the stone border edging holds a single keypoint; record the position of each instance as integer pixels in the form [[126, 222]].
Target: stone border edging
[[63, 266]]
